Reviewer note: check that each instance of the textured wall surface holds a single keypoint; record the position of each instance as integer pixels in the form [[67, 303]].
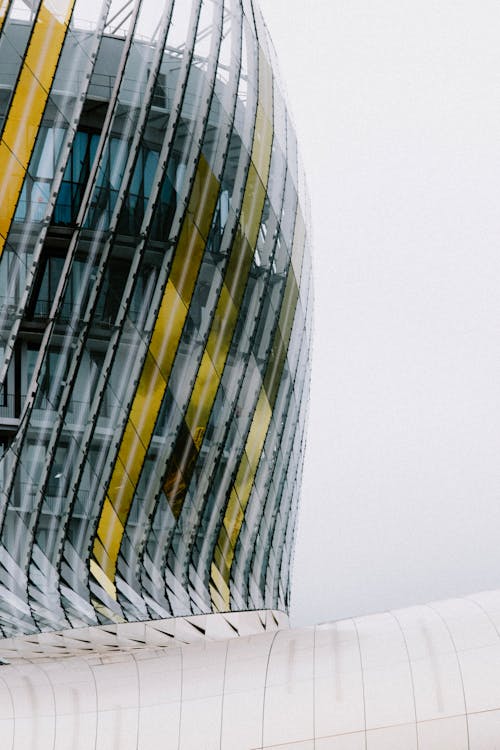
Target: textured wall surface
[[155, 314]]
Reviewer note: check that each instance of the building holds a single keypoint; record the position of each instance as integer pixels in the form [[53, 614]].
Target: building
[[155, 319], [156, 316], [423, 678]]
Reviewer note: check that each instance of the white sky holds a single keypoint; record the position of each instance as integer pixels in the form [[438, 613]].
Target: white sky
[[397, 106]]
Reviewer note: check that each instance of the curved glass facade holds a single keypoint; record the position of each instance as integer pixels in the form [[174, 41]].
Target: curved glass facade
[[155, 314]]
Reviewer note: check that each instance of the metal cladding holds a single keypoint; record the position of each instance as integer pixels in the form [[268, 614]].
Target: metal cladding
[[155, 314], [420, 678]]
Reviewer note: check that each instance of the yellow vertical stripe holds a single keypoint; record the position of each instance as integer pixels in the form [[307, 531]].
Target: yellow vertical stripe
[[228, 305], [299, 238], [153, 381], [253, 203], [240, 494], [28, 104]]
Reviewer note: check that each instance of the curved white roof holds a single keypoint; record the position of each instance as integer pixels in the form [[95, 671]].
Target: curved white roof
[[422, 678]]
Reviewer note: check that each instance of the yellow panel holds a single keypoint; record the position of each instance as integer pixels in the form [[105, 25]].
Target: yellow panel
[[232, 532], [102, 558], [119, 488], [288, 307], [232, 518], [110, 532], [219, 561], [235, 278], [202, 398], [218, 601], [226, 312], [168, 329], [251, 209], [106, 612], [184, 268], [235, 510], [238, 268], [157, 366], [265, 82], [219, 555], [299, 238], [103, 579], [261, 148], [261, 152], [261, 417], [28, 104], [226, 317], [198, 437], [219, 592], [203, 198]]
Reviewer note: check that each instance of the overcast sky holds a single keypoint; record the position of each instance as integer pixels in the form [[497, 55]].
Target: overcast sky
[[397, 106]]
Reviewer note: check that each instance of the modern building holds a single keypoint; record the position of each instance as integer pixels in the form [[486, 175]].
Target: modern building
[[155, 321], [156, 313], [423, 678]]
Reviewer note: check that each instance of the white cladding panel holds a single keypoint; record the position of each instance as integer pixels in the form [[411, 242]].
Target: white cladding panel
[[423, 678]]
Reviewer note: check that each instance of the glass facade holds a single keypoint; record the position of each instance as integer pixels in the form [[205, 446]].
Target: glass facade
[[155, 314]]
